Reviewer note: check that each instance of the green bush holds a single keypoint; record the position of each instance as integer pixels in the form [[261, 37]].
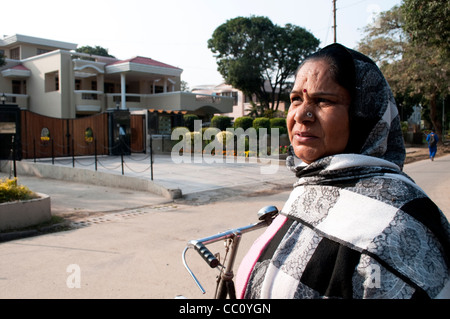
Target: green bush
[[278, 122], [262, 122], [243, 122], [189, 121], [221, 122], [281, 129]]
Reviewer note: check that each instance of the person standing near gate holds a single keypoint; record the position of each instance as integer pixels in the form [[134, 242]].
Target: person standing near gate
[[432, 140], [122, 142]]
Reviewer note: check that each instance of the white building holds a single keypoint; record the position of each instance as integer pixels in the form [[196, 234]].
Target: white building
[[50, 78]]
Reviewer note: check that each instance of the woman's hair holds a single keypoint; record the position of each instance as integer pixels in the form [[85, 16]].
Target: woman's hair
[[342, 67]]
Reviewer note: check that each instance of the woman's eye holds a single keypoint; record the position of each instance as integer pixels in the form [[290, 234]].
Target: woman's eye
[[324, 101], [295, 98]]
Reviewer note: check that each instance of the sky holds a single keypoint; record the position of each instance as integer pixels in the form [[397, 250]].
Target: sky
[[176, 31]]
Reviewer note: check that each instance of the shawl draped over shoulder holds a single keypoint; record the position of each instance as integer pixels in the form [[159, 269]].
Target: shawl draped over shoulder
[[354, 226]]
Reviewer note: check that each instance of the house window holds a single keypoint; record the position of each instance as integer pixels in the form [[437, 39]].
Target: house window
[[89, 96], [51, 81], [235, 97], [232, 94], [109, 87], [19, 87], [15, 53], [15, 87], [77, 84], [164, 125], [41, 51]]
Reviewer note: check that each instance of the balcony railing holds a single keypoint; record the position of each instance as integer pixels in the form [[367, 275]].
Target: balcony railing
[[20, 100], [91, 101], [166, 101]]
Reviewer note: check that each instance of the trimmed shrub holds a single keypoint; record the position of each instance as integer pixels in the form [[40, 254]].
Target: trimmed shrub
[[189, 121], [261, 122], [278, 122], [281, 129], [243, 122], [221, 122]]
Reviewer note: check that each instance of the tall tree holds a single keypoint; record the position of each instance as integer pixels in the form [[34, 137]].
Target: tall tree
[[428, 22], [258, 57], [412, 68]]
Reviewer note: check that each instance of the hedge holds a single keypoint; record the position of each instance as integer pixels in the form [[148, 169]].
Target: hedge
[[261, 122], [243, 122], [189, 121], [221, 122], [278, 122], [281, 129]]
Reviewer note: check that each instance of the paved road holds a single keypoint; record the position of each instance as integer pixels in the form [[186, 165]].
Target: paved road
[[434, 178], [134, 250]]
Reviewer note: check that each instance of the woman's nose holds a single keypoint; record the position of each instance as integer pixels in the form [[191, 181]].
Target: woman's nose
[[304, 113]]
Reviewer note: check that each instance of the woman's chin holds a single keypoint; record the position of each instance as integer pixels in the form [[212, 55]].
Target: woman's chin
[[306, 154]]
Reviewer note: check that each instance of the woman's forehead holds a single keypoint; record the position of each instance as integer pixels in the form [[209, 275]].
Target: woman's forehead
[[315, 71]]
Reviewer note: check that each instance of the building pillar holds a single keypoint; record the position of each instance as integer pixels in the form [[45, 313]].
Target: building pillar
[[123, 91], [173, 85]]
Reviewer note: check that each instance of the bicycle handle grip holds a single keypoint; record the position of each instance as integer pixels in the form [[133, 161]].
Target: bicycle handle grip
[[210, 259]]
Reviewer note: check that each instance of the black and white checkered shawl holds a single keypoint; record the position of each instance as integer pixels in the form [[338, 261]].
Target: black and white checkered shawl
[[355, 226]]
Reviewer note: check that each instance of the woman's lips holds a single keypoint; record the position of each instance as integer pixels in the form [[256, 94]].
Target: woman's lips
[[304, 137]]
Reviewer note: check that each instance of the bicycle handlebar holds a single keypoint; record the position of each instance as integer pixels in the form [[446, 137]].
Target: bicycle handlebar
[[206, 254], [265, 215]]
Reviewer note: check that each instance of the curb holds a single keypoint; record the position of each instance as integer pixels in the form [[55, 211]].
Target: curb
[[80, 175], [19, 234]]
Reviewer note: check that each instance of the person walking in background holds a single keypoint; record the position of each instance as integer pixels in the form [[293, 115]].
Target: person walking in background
[[432, 140]]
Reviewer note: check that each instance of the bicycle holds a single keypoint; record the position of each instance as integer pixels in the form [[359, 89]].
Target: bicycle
[[225, 284]]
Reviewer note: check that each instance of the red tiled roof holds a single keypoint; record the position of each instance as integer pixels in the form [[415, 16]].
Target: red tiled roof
[[20, 67], [146, 61]]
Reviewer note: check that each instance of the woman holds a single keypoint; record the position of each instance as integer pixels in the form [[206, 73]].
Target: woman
[[354, 226]]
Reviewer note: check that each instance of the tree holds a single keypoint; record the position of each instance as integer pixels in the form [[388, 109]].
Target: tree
[[412, 68], [97, 50], [258, 57], [428, 22], [184, 86]]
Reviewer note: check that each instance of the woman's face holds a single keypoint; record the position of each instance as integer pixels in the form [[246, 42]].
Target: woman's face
[[326, 130]]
